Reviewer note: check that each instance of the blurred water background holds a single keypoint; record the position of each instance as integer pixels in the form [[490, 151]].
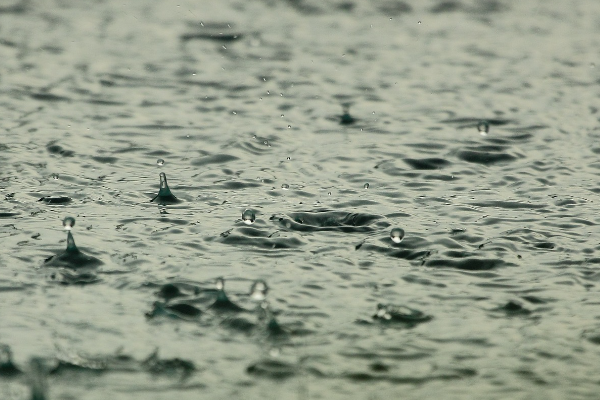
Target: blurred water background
[[471, 125]]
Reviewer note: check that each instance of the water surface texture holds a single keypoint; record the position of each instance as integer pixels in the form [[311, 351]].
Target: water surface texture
[[296, 136]]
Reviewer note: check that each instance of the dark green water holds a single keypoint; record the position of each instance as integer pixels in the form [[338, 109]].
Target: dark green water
[[334, 121]]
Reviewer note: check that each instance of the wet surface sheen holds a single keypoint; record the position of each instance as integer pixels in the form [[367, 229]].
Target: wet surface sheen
[[416, 181]]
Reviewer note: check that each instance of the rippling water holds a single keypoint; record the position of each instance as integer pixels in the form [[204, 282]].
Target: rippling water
[[332, 122]]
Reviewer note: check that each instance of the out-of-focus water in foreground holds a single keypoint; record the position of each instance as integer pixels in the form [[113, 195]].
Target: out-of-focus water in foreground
[[295, 136]]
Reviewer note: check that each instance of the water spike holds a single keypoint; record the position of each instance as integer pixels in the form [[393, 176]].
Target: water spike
[[222, 302], [164, 195], [71, 247], [346, 118], [37, 379], [164, 187]]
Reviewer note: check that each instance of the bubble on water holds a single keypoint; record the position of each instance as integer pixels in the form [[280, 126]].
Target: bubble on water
[[69, 223], [259, 290], [220, 283], [397, 234], [366, 186], [483, 127], [55, 177], [248, 217], [160, 162], [285, 186]]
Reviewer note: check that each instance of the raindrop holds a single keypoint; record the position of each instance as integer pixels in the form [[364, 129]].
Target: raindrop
[[483, 127], [160, 162], [366, 186], [55, 177], [397, 234], [285, 186], [259, 290], [69, 223], [248, 217]]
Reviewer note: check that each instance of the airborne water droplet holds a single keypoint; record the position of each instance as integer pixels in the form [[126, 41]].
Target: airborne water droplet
[[160, 162], [259, 290], [483, 127], [69, 223], [248, 217], [285, 186], [397, 234]]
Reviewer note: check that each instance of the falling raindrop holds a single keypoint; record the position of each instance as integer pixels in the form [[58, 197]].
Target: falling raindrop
[[248, 217], [160, 162], [69, 223], [397, 234], [483, 127]]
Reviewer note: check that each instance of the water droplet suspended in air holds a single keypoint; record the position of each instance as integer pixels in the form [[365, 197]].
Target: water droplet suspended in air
[[259, 290], [160, 162], [285, 186], [366, 186], [483, 127], [248, 217], [55, 177], [397, 234], [69, 223]]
